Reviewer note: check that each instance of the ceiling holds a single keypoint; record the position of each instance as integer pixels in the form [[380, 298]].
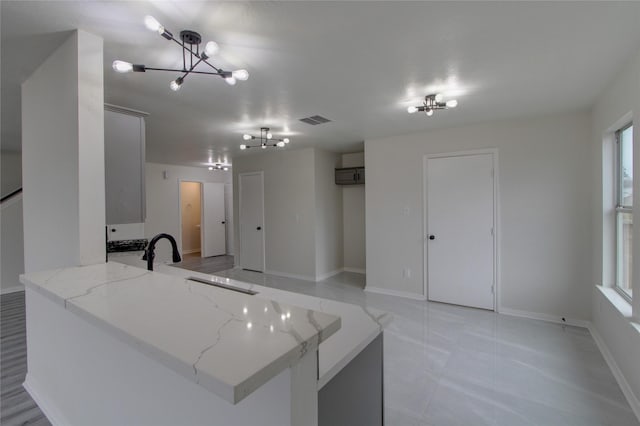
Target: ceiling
[[359, 64]]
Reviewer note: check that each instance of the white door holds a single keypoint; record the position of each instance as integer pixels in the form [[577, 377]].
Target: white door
[[460, 241], [251, 221], [213, 220]]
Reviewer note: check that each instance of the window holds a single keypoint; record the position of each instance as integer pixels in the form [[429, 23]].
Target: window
[[624, 208]]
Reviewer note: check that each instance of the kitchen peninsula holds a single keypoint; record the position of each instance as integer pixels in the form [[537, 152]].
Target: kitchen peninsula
[[117, 344]]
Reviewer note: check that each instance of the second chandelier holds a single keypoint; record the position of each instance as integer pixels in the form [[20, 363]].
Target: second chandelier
[[265, 139]]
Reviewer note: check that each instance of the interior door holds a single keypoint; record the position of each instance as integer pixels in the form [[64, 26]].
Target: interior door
[[213, 226], [251, 217], [460, 230]]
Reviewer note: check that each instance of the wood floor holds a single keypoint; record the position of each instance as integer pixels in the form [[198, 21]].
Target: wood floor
[[16, 406]]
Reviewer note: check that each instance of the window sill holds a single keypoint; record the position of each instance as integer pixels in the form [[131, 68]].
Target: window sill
[[616, 299]]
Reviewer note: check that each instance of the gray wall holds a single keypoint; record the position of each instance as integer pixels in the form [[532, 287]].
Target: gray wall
[[615, 322], [353, 201], [163, 201], [544, 196], [63, 157], [289, 209], [303, 210], [329, 229], [11, 171]]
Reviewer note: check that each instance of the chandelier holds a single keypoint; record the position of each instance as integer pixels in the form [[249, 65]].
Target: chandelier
[[219, 166], [191, 57], [266, 139], [432, 103]]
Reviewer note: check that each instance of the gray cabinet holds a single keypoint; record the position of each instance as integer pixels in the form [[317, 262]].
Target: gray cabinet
[[124, 149], [350, 176]]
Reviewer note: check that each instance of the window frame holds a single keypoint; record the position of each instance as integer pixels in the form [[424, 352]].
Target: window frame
[[621, 209]]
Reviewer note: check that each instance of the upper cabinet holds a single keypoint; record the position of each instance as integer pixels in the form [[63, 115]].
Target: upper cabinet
[[124, 148], [350, 176]]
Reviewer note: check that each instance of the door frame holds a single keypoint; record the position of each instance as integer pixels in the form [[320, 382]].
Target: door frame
[[179, 241], [201, 182], [496, 219], [264, 238]]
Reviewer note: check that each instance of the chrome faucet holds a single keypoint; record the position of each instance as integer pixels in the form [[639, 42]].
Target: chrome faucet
[[149, 252]]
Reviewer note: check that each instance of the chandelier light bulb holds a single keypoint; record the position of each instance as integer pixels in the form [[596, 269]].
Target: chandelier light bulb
[[225, 169], [286, 140], [211, 48], [429, 112], [122, 66], [243, 146], [246, 137], [412, 109], [210, 168], [269, 136], [175, 84], [439, 97], [452, 103], [264, 146], [231, 81], [152, 23], [242, 74], [280, 144]]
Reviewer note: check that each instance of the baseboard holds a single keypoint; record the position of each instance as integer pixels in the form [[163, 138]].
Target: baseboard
[[49, 409], [287, 275], [12, 289], [544, 317], [388, 292], [617, 373], [356, 270], [323, 277]]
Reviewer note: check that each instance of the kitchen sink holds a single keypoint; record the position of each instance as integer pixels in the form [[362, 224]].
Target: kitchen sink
[[223, 286]]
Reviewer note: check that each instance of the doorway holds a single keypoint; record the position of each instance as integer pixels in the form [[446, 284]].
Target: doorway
[[202, 219], [251, 226], [461, 235], [191, 212]]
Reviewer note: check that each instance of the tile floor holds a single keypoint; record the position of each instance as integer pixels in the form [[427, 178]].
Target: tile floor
[[448, 365]]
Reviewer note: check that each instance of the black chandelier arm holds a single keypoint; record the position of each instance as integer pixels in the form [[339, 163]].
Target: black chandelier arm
[[261, 145], [179, 70], [198, 55]]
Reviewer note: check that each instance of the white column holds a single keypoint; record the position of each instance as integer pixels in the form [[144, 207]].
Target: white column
[[63, 157]]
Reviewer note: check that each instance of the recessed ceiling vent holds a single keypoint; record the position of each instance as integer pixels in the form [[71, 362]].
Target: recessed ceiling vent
[[315, 119]]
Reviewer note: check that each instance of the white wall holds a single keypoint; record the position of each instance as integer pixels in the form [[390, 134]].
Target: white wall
[[12, 248], [328, 204], [190, 195], [619, 103], [63, 157], [163, 201], [289, 208], [544, 192], [11, 174], [353, 203]]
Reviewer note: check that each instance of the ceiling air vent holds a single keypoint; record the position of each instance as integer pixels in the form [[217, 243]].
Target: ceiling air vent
[[315, 119]]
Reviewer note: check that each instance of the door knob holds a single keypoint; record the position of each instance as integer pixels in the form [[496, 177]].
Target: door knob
[[223, 222], [259, 228], [432, 237]]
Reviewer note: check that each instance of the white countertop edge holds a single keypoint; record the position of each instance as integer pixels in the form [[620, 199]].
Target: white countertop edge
[[325, 374], [226, 391], [223, 390]]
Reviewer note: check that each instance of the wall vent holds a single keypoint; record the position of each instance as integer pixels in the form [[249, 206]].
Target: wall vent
[[315, 119]]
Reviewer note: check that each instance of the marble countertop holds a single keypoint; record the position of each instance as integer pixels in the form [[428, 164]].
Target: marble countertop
[[228, 342], [360, 325]]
